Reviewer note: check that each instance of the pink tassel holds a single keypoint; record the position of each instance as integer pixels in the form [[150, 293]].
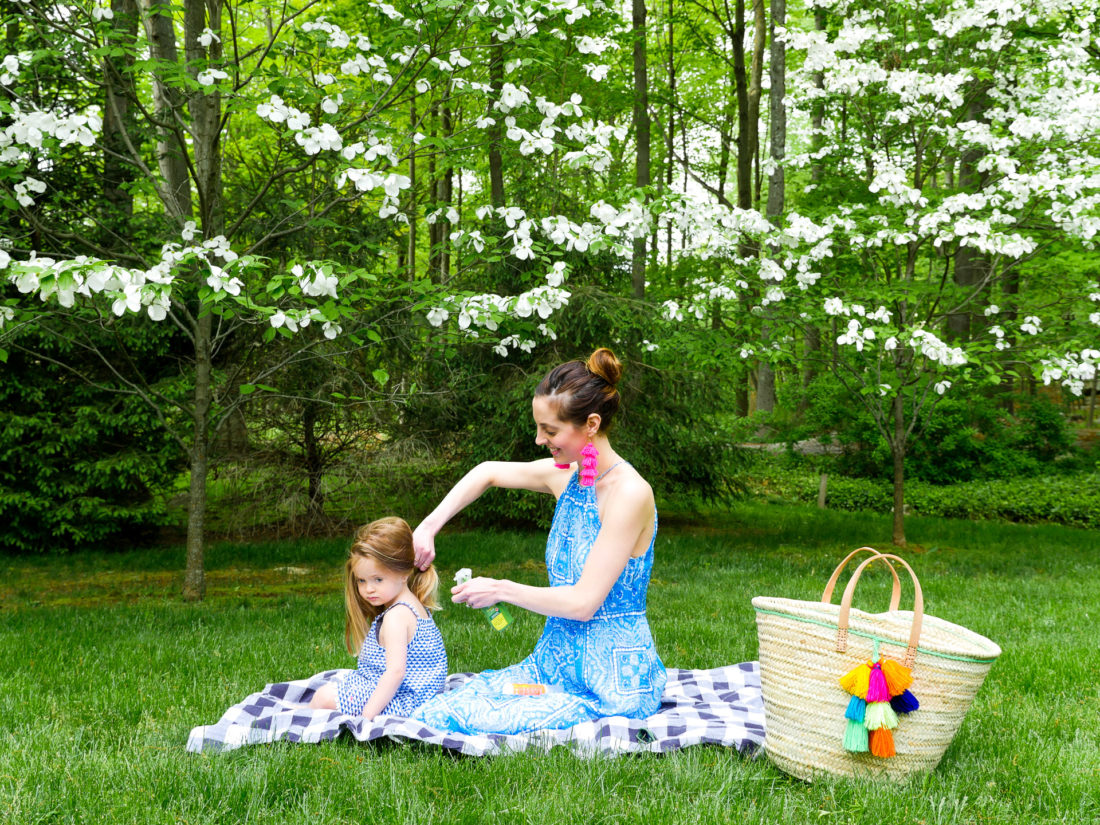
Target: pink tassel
[[589, 456], [877, 690]]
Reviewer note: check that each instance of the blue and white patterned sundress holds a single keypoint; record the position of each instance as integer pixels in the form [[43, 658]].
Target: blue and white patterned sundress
[[425, 670], [607, 666]]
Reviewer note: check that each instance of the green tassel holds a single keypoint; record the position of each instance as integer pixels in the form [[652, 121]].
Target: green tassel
[[875, 717], [855, 738]]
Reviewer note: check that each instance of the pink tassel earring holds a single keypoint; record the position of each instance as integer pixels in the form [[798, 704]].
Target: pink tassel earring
[[589, 455]]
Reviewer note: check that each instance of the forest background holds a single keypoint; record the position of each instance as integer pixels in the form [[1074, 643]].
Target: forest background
[[276, 268]]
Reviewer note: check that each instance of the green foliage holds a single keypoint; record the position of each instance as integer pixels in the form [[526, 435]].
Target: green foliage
[[1068, 499], [79, 465], [961, 438], [667, 427]]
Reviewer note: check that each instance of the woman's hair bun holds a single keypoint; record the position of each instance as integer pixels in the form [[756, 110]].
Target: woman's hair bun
[[603, 363]]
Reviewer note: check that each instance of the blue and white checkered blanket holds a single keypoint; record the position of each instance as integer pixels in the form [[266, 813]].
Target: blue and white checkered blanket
[[722, 706]]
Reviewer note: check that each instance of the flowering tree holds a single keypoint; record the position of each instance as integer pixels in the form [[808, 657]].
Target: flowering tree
[[233, 135], [955, 145]]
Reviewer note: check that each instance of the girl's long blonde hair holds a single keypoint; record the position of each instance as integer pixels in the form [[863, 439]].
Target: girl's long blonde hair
[[389, 542]]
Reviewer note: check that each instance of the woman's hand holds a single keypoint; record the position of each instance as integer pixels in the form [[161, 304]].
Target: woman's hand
[[423, 546], [477, 593]]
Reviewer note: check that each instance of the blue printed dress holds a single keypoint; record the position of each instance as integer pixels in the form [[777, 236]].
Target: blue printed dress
[[425, 670], [607, 666]]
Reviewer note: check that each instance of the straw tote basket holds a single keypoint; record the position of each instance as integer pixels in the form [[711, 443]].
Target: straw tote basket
[[805, 649]]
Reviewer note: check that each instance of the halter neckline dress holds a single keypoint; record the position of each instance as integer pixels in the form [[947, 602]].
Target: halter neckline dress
[[607, 666]]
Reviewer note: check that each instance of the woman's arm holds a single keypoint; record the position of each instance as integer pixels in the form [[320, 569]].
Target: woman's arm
[[626, 518], [538, 476], [394, 635]]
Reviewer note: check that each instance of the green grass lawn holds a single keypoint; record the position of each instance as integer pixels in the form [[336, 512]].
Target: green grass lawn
[[103, 671]]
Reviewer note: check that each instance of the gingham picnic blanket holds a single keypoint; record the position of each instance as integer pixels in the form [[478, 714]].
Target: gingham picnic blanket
[[722, 706]]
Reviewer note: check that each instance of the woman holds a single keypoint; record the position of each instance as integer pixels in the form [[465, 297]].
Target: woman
[[596, 648]]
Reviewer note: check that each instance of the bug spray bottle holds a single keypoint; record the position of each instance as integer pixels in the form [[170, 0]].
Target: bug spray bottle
[[498, 614]]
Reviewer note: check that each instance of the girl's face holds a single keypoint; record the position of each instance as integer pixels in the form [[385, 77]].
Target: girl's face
[[377, 584], [564, 439]]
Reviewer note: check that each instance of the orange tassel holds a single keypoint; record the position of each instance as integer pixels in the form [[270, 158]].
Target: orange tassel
[[857, 680], [882, 742], [898, 677]]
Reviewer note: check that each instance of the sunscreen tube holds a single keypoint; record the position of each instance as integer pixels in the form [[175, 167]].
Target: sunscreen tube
[[520, 689]]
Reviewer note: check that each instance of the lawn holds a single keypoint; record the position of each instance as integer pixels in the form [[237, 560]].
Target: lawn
[[105, 670]]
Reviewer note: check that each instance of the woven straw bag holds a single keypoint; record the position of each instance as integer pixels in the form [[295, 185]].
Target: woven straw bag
[[805, 647]]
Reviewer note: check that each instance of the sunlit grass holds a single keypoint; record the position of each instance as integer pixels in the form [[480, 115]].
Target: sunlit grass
[[105, 670]]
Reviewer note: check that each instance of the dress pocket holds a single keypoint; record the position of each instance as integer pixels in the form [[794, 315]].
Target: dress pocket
[[633, 672]]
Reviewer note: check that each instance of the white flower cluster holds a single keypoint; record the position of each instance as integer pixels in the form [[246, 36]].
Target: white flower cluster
[[932, 348], [9, 70], [321, 283], [707, 294], [1072, 369], [856, 335], [595, 139], [337, 37], [511, 97], [208, 77], [29, 129], [515, 342], [488, 310], [997, 331], [277, 111], [26, 186], [593, 45]]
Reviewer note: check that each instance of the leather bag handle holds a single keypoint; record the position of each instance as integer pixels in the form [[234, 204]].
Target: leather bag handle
[[895, 594], [846, 606]]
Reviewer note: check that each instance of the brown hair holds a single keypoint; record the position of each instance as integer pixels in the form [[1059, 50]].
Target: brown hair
[[580, 388], [389, 542]]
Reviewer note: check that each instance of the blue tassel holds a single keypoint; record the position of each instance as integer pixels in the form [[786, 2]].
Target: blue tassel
[[856, 708], [905, 702]]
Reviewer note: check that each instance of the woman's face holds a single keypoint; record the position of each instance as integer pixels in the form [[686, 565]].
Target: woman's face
[[563, 439]]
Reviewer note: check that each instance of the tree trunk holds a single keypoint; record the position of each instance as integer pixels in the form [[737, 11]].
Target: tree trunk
[[411, 262], [671, 137], [496, 134], [817, 117], [777, 148], [971, 267], [118, 120], [897, 452], [314, 464], [642, 134], [167, 105], [194, 580], [205, 109], [744, 147]]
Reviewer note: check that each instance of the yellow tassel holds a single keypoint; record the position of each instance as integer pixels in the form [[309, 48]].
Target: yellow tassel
[[898, 677], [857, 680]]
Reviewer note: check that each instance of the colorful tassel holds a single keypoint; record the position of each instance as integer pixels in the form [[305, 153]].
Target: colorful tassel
[[882, 742], [856, 680], [855, 738], [898, 677], [876, 689], [589, 458], [856, 708], [876, 718], [905, 703]]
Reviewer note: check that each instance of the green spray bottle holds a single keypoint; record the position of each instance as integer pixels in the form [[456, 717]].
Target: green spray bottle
[[498, 614]]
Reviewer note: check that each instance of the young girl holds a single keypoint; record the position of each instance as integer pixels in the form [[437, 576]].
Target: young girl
[[402, 662]]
